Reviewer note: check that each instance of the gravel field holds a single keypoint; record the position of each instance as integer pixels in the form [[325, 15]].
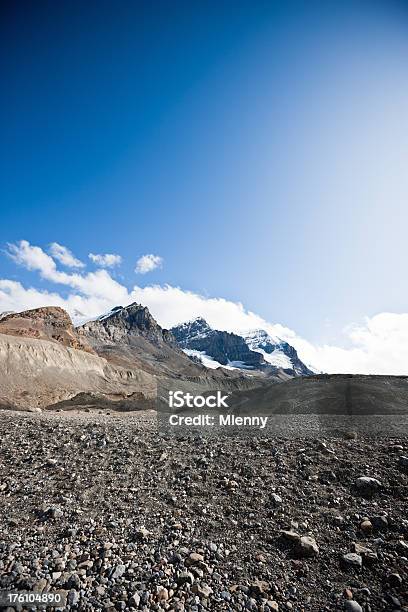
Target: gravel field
[[101, 507]]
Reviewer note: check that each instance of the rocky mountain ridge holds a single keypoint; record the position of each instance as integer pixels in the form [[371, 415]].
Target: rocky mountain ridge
[[121, 322], [129, 336], [117, 360]]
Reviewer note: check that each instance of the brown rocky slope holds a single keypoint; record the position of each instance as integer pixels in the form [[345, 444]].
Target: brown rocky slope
[[48, 323]]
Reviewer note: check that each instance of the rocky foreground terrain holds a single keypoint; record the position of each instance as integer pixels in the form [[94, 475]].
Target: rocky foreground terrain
[[119, 517]]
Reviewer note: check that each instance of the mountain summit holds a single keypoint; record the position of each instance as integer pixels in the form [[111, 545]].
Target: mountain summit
[[130, 337], [256, 350], [223, 347], [121, 323]]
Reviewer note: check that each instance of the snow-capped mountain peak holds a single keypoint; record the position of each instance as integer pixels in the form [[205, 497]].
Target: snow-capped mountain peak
[[255, 350], [225, 348], [275, 351]]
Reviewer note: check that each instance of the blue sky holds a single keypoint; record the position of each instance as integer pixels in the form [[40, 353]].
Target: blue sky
[[258, 148]]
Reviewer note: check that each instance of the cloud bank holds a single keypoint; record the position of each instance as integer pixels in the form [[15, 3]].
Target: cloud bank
[[379, 345]]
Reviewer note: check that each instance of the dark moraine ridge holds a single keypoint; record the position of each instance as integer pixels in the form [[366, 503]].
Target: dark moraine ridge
[[331, 394]]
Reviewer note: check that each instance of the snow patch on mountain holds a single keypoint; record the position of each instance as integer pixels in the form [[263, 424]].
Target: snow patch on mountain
[[205, 359], [106, 315], [277, 358], [239, 365], [256, 337], [275, 351]]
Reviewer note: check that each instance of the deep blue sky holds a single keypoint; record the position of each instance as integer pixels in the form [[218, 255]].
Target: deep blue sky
[[260, 148]]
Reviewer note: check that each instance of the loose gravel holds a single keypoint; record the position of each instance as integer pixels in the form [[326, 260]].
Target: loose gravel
[[102, 507]]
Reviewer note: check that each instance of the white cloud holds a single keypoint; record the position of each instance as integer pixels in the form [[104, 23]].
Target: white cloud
[[96, 284], [64, 256], [379, 345], [33, 258], [147, 263], [108, 260]]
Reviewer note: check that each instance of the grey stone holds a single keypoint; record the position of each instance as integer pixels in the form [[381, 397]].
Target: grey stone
[[307, 547], [352, 606], [73, 597], [352, 560], [367, 484], [119, 571]]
